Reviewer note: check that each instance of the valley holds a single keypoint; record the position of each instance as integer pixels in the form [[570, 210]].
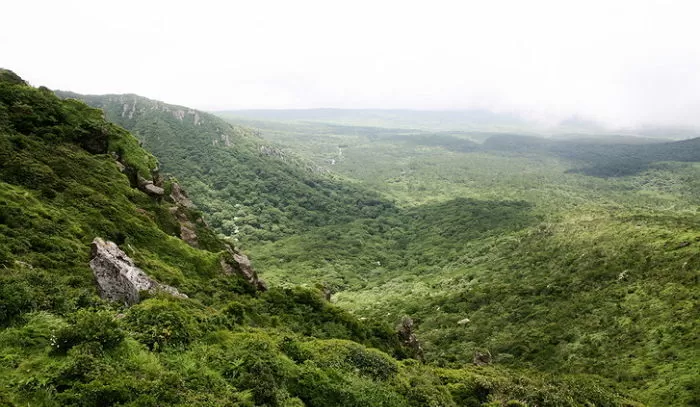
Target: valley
[[463, 267], [350, 204], [547, 247]]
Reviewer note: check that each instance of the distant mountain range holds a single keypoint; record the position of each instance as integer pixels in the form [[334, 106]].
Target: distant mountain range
[[460, 120]]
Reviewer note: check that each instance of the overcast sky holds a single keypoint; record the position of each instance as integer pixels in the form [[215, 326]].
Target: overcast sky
[[622, 62]]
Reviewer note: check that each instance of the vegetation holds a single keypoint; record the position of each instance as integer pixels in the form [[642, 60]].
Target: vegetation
[[573, 258], [225, 345], [591, 269], [248, 188]]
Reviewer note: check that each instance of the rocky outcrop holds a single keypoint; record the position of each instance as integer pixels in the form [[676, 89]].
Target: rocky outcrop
[[187, 228], [187, 218], [482, 358], [150, 188], [118, 279], [234, 262], [409, 338], [179, 196]]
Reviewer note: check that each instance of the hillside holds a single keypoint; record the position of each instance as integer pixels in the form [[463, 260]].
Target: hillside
[[493, 249], [208, 334], [249, 188]]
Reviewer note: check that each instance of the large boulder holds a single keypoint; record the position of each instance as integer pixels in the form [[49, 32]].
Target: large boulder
[[118, 279]]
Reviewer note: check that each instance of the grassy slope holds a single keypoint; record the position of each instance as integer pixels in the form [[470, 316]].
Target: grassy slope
[[595, 277]]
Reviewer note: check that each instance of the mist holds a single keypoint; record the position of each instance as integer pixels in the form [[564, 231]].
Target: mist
[[622, 63]]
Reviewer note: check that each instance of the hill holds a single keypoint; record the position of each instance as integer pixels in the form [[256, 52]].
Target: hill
[[496, 244], [203, 330], [249, 188]]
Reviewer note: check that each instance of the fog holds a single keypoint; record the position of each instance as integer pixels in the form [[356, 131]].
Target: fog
[[623, 63]]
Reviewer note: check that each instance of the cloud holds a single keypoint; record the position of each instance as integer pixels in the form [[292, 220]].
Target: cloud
[[622, 62]]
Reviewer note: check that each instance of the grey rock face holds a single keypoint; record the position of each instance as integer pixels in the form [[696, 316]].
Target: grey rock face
[[239, 263], [179, 196], [118, 279]]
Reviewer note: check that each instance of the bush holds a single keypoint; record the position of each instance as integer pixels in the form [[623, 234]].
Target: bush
[[235, 312], [15, 298], [160, 322], [96, 328], [372, 362]]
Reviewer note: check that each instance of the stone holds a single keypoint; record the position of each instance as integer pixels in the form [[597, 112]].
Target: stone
[[179, 196], [482, 358], [409, 338], [187, 229], [188, 235], [238, 263], [121, 166], [118, 278], [149, 188]]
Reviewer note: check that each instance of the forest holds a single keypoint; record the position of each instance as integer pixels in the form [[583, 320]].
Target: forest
[[68, 176], [563, 255], [402, 267]]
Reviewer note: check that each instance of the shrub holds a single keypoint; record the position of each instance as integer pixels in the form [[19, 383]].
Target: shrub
[[96, 328], [372, 362], [160, 322], [15, 298]]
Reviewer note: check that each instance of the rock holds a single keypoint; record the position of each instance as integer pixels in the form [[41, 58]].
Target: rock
[[409, 339], [118, 279], [463, 321], [149, 188], [187, 229], [683, 244], [238, 263], [482, 359], [188, 235], [326, 291], [121, 166], [179, 196]]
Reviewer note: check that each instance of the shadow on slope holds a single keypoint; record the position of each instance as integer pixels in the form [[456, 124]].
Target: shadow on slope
[[410, 242]]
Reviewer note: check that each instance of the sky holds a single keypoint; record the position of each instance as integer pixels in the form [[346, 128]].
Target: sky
[[621, 62]]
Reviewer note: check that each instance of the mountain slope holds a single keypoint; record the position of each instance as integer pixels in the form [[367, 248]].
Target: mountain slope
[[68, 176], [249, 188], [490, 249]]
